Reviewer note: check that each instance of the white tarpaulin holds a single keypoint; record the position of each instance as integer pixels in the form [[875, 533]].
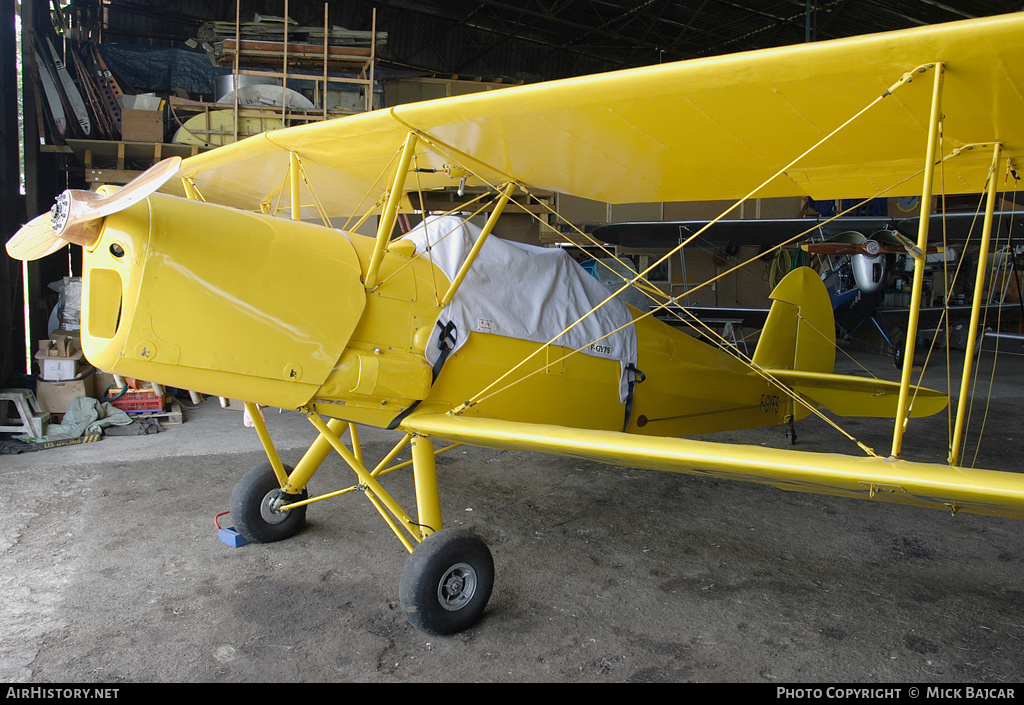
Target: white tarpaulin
[[524, 292]]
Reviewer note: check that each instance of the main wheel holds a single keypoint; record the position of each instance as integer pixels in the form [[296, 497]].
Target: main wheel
[[898, 349], [446, 582], [254, 505]]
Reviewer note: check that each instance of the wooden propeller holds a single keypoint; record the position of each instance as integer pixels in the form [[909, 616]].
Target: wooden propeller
[[77, 216]]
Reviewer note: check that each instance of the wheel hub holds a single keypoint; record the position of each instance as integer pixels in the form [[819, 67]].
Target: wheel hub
[[456, 587], [270, 510]]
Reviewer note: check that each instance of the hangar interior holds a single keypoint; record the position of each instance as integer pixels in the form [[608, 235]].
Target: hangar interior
[[180, 58], [97, 91]]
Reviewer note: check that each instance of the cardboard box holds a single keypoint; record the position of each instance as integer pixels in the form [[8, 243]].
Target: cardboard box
[[142, 101], [102, 382], [142, 125], [58, 369], [56, 397], [59, 345]]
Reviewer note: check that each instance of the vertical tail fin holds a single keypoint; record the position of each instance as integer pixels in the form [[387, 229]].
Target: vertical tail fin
[[800, 331]]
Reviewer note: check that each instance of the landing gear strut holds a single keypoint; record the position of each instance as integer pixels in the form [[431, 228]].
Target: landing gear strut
[[448, 577]]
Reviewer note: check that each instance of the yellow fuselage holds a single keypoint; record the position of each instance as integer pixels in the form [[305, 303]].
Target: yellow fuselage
[[274, 311]]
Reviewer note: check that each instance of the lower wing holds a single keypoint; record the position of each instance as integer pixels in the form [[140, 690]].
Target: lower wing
[[955, 489]]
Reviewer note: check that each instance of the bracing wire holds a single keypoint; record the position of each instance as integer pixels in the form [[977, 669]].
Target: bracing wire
[[999, 317], [641, 280], [490, 390], [691, 320]]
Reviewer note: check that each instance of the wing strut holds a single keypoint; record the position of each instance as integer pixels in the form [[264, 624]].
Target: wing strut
[[979, 289], [922, 245], [387, 219], [293, 176], [506, 194]]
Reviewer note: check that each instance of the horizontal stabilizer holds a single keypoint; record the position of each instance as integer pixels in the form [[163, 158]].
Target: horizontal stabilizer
[[847, 395]]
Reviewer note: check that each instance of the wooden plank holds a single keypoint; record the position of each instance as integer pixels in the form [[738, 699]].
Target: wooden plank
[[297, 50], [171, 415], [135, 151], [110, 176], [55, 148]]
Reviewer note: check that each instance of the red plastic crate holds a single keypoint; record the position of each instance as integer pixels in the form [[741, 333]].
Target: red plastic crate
[[137, 402]]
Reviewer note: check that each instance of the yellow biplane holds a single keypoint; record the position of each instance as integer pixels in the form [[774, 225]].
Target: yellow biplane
[[226, 274]]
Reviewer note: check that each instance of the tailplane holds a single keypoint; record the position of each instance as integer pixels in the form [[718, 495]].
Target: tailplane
[[798, 347]]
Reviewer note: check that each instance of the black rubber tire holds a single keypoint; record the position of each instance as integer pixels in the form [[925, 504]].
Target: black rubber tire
[[447, 582], [898, 349], [254, 521]]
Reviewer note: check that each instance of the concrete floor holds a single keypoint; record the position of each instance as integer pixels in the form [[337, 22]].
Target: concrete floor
[[113, 571]]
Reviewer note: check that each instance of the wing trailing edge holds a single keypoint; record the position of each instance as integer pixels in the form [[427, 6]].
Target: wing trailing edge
[[954, 489]]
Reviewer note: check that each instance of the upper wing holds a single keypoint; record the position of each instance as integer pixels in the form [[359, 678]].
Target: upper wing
[[710, 128], [921, 484]]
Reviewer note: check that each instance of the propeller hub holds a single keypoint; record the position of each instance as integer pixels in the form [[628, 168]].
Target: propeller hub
[[60, 212], [77, 216]]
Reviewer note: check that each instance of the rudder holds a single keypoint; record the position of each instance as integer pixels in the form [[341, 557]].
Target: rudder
[[799, 333]]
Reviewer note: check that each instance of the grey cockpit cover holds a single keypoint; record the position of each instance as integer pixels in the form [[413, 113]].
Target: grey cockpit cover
[[524, 292]]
